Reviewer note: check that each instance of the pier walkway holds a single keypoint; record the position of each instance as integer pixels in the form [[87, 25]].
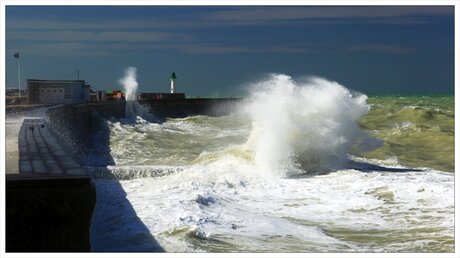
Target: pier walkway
[[40, 154], [51, 201]]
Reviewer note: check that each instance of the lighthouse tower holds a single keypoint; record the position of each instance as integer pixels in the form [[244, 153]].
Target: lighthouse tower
[[173, 82]]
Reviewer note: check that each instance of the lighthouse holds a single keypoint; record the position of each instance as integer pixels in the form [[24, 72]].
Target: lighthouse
[[173, 82]]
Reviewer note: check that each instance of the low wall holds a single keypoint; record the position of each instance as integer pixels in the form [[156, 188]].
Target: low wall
[[163, 108], [11, 109], [73, 124]]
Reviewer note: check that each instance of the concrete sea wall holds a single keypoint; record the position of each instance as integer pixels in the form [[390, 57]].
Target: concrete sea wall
[[73, 124], [164, 108], [49, 204]]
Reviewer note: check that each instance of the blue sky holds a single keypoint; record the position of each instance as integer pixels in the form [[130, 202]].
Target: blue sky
[[217, 51]]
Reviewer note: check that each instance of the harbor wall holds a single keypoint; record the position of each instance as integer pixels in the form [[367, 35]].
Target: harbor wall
[[73, 123], [173, 108], [50, 210]]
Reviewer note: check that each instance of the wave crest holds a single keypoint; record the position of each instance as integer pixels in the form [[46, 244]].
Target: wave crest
[[304, 127]]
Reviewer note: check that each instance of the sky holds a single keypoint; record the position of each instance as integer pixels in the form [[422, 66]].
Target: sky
[[219, 51]]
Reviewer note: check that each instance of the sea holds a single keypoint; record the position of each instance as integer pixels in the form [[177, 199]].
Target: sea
[[301, 165]]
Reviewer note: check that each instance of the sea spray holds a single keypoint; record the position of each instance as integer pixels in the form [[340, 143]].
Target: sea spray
[[302, 127], [129, 82], [133, 109]]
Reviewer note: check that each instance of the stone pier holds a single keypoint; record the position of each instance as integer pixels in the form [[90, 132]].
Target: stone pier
[[40, 154], [51, 201]]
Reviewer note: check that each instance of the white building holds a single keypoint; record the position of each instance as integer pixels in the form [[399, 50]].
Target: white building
[[58, 91]]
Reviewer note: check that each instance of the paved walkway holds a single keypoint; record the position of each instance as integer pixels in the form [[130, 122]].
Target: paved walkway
[[40, 153], [12, 126]]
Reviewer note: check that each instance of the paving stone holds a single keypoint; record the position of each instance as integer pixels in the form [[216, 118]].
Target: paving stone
[[42, 153], [34, 156], [77, 172], [67, 162], [25, 167], [44, 131], [44, 150], [38, 138], [39, 141], [42, 147], [48, 139], [31, 148], [39, 167], [52, 142], [23, 149], [53, 167], [22, 140], [59, 152], [54, 146], [47, 156], [29, 138]]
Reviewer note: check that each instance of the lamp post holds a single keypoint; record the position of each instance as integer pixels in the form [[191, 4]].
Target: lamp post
[[16, 55]]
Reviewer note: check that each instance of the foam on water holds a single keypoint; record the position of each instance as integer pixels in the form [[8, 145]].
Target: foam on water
[[248, 182], [302, 127], [225, 201]]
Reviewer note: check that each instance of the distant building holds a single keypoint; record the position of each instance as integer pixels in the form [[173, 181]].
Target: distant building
[[58, 91], [14, 92]]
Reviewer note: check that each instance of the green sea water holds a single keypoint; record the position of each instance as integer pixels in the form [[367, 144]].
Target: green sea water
[[417, 131], [195, 183]]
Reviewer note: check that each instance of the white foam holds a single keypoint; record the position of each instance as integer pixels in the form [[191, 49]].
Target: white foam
[[134, 112], [302, 127], [226, 199], [233, 189]]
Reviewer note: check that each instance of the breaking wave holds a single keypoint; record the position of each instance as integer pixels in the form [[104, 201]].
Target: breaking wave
[[301, 127]]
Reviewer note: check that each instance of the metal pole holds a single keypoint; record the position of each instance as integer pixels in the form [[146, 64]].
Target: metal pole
[[19, 80]]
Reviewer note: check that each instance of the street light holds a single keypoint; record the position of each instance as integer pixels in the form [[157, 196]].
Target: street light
[[16, 55]]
